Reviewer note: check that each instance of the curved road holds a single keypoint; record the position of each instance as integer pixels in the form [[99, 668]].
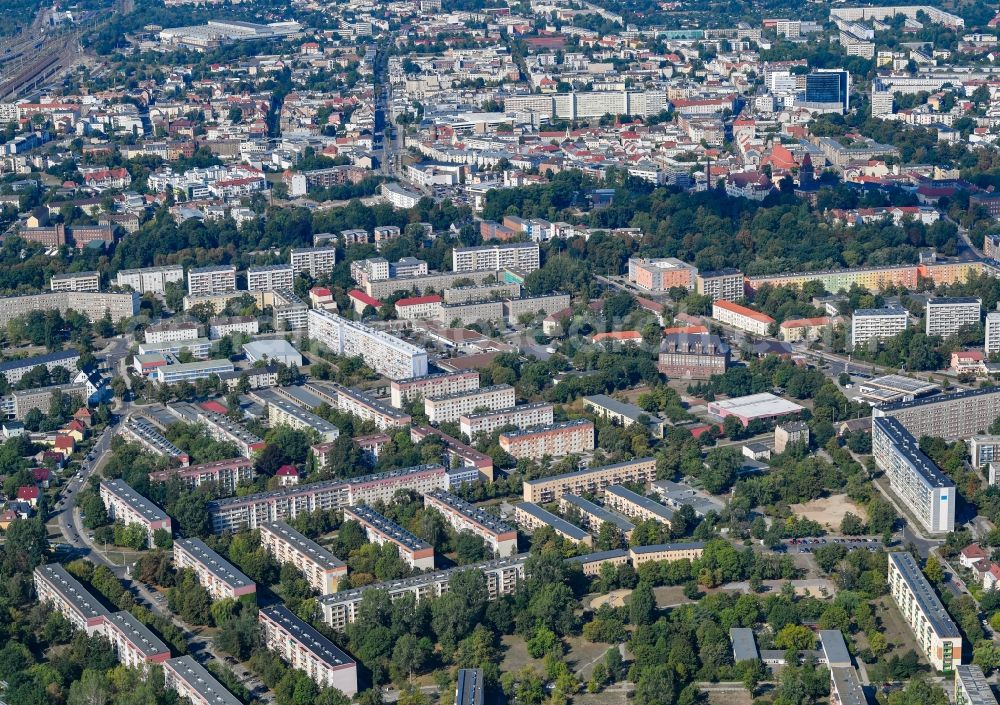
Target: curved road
[[68, 519]]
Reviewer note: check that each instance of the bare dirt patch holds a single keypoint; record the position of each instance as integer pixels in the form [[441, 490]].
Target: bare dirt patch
[[829, 511]]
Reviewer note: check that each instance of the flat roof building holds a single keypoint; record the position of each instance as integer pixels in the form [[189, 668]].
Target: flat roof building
[[306, 650], [935, 632], [141, 430], [226, 475], [127, 506], [384, 353], [55, 586], [417, 553], [435, 385], [557, 440], [950, 416], [134, 644], [217, 575], [451, 407], [322, 569], [919, 484], [944, 316], [532, 517], [521, 416], [754, 406], [689, 550], [661, 274], [744, 644], [636, 506], [971, 686], [869, 324], [501, 538], [593, 516], [589, 481], [189, 679]]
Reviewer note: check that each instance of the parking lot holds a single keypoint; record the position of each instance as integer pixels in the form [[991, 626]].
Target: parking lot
[[808, 545]]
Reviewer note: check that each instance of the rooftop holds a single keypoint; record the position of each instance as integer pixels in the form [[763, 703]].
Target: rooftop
[[906, 444], [48, 358], [588, 471], [598, 512], [977, 689], [214, 563], [386, 527], [138, 633], [201, 681], [306, 546], [940, 398], [546, 429], [314, 642], [550, 519], [138, 503], [924, 595], [72, 591], [474, 514]]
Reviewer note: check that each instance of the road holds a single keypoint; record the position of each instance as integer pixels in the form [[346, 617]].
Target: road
[[70, 525]]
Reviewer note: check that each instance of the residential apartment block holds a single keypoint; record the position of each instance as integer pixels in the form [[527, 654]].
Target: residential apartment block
[[76, 281], [971, 686], [869, 324], [93, 306], [141, 430], [636, 506], [274, 276], [150, 279], [204, 281], [322, 569], [417, 553], [693, 355], [502, 577], [189, 679], [933, 628], [944, 316], [514, 255], [952, 416], [556, 439], [725, 284], [171, 333], [741, 317], [913, 477], [691, 551], [127, 506], [250, 511], [55, 586], [589, 481], [315, 261], [356, 403], [386, 354], [14, 370], [226, 475], [452, 406], [662, 274], [501, 538], [218, 576], [281, 412], [305, 649], [594, 516], [983, 450], [522, 416], [428, 386], [531, 517], [134, 644], [992, 346]]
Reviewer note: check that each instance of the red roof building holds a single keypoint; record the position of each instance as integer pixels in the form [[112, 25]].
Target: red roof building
[[287, 475]]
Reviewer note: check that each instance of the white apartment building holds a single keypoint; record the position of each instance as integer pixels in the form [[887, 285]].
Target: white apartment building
[[275, 276], [55, 586], [913, 477], [127, 506], [555, 440], [400, 196], [935, 632], [452, 406], [741, 317], [150, 279], [217, 575], [869, 324], [223, 326], [315, 261], [502, 577], [190, 371], [322, 569], [204, 281], [76, 281], [992, 333], [134, 644], [171, 333], [417, 553], [944, 316], [971, 686], [726, 284], [501, 538], [306, 650], [515, 255], [189, 679], [522, 416], [198, 347], [384, 353], [428, 386]]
